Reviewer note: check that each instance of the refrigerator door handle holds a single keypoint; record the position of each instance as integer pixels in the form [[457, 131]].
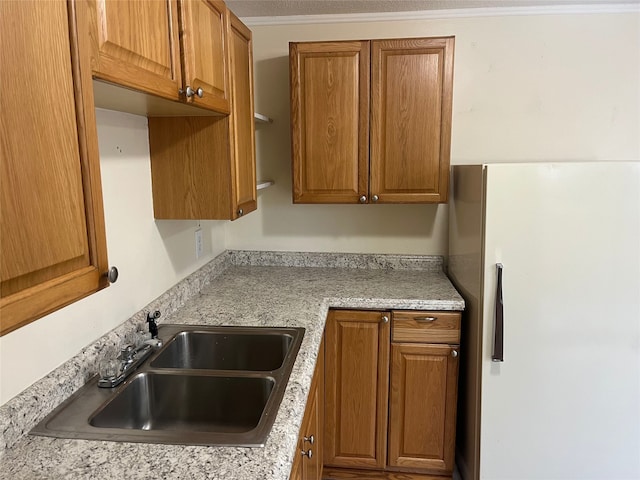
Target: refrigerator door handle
[[498, 331]]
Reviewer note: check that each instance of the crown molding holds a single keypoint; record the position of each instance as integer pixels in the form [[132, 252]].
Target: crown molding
[[443, 14]]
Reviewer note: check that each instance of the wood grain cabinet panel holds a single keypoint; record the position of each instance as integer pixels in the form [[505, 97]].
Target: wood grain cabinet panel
[[204, 167], [330, 121], [161, 47], [51, 218], [425, 327], [308, 459], [136, 43], [243, 134], [395, 151], [422, 407], [204, 30], [357, 378], [411, 84]]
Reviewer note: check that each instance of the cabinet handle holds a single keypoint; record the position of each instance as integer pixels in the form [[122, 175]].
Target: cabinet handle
[[311, 439], [112, 274], [200, 92], [384, 319], [498, 332], [240, 212], [363, 199], [425, 319], [307, 454], [375, 198], [454, 353]]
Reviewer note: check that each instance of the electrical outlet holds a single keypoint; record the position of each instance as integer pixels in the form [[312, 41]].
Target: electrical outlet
[[199, 245]]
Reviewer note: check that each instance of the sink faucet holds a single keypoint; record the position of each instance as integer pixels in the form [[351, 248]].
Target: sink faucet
[[131, 356]]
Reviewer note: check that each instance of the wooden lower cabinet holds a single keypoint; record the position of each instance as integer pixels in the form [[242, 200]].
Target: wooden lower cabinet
[[356, 388], [422, 407], [390, 407], [308, 459]]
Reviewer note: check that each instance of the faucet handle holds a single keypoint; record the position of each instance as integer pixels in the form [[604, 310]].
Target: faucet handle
[[153, 326], [108, 369]]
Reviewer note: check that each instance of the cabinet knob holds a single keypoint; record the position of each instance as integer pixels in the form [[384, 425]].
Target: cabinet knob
[[375, 198], [385, 319], [112, 274], [240, 212], [308, 454], [190, 92], [311, 439], [454, 353], [363, 199]]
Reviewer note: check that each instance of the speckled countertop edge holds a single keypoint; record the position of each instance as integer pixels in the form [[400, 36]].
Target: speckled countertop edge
[[25, 410]]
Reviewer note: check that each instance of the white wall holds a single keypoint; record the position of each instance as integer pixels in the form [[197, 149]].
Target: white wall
[[151, 256], [545, 87]]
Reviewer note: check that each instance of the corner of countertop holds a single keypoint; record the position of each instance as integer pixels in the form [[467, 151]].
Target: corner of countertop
[[21, 413]]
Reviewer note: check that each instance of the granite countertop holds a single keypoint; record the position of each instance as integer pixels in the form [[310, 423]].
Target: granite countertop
[[242, 294]]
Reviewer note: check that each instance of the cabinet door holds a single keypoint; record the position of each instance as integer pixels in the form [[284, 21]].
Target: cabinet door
[[243, 133], [305, 468], [51, 219], [330, 121], [205, 59], [312, 467], [422, 407], [411, 93], [356, 388], [135, 43]]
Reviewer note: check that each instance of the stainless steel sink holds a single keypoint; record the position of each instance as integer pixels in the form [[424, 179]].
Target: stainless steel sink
[[239, 350], [156, 401], [206, 386]]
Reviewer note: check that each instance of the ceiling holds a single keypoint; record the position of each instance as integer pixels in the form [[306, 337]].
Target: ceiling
[[277, 8]]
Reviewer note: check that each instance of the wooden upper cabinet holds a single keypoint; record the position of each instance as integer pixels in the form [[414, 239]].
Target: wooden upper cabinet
[[164, 48], [371, 120], [204, 167], [51, 218], [422, 407], [330, 121], [135, 43], [204, 29], [411, 85], [356, 388], [243, 135]]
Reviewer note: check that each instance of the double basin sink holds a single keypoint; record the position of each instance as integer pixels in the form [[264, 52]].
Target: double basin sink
[[205, 386]]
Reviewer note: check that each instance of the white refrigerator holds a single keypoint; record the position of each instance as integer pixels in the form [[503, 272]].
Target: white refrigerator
[[550, 365]]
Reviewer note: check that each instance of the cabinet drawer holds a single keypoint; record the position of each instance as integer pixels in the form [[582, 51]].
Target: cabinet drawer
[[425, 327]]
